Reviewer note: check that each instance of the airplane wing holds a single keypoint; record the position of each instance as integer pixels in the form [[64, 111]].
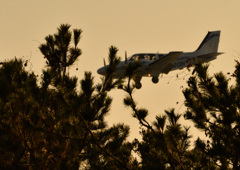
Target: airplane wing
[[165, 63]]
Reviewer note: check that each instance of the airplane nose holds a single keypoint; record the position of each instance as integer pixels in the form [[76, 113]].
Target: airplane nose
[[101, 71]]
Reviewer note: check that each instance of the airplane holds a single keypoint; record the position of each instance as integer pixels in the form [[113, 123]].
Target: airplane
[[154, 64]]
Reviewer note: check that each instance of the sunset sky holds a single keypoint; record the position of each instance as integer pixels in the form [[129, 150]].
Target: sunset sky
[[134, 26]]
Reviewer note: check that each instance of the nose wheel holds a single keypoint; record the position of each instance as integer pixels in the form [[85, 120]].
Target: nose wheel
[[137, 81]]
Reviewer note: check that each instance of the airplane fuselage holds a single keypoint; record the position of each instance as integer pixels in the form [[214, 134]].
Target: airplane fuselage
[[184, 60]]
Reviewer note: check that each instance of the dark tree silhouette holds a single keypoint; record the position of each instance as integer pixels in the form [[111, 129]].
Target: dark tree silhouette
[[165, 143], [48, 123], [55, 126], [213, 105], [58, 50]]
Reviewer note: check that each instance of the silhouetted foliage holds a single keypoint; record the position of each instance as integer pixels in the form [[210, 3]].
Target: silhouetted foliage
[[165, 143], [54, 125], [58, 50], [50, 123], [213, 105]]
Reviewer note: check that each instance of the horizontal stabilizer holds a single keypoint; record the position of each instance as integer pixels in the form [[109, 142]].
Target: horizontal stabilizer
[[207, 57]]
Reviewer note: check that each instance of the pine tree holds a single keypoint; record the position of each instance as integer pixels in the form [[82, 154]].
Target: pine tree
[[53, 125], [58, 121], [58, 50], [165, 143], [213, 105]]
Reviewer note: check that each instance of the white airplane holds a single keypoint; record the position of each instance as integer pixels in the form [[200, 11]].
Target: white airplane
[[154, 64]]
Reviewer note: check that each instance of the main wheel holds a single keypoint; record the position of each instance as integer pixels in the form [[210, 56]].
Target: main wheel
[[120, 86], [138, 85], [155, 80]]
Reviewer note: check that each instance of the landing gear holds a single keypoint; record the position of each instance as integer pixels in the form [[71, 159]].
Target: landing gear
[[155, 80], [120, 86], [138, 85], [137, 80]]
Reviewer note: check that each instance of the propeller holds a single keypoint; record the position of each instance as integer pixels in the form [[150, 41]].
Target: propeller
[[157, 55], [126, 57], [104, 62]]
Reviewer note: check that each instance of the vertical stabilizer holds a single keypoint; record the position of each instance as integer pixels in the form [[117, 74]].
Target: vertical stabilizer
[[209, 44]]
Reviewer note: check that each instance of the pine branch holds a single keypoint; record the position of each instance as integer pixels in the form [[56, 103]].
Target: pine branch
[[99, 146], [144, 123]]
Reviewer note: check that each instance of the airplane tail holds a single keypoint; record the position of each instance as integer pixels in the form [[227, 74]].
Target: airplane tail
[[209, 44]]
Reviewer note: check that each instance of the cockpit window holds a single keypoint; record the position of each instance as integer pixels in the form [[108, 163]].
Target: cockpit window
[[138, 57]]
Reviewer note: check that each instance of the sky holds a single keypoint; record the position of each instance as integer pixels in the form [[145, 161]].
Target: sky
[[134, 26]]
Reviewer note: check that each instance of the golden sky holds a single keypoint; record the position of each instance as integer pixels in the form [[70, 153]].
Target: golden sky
[[132, 25]]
